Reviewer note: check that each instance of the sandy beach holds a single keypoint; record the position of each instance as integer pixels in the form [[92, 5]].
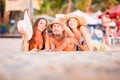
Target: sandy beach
[[18, 65]]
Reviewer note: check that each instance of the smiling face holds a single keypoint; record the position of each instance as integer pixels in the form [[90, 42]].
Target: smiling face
[[57, 29], [73, 23], [42, 24]]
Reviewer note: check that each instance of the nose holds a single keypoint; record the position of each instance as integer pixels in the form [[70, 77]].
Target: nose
[[56, 27]]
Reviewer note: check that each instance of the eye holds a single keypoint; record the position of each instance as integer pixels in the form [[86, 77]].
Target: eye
[[58, 25], [41, 23]]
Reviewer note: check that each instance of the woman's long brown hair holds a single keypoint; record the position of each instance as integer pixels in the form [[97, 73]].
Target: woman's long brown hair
[[35, 30]]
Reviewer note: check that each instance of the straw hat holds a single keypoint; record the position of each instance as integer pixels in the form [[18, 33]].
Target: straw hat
[[80, 19], [54, 22], [26, 25]]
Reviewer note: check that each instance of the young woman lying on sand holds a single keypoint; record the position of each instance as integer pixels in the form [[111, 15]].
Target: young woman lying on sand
[[77, 25]]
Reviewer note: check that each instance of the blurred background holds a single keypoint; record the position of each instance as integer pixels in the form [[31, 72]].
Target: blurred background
[[54, 65], [12, 10]]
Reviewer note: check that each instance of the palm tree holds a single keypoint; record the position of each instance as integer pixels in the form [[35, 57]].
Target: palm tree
[[69, 6], [51, 7], [103, 5], [83, 5], [88, 5]]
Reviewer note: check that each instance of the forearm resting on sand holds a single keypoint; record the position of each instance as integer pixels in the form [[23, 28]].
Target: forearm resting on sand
[[86, 37], [25, 44]]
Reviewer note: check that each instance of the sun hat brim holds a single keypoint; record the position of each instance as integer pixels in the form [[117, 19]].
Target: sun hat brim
[[26, 25], [80, 19], [54, 22]]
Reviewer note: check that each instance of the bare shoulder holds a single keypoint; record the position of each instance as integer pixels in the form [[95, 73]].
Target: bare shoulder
[[71, 39]]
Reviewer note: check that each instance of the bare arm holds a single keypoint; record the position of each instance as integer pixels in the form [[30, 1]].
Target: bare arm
[[47, 41], [67, 29], [52, 46], [86, 36], [25, 43]]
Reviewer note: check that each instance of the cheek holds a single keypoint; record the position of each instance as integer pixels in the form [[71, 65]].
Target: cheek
[[41, 28], [53, 29], [72, 24], [61, 29], [44, 27]]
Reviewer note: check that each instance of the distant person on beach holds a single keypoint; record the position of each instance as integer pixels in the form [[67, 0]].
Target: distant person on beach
[[60, 40], [106, 27], [118, 24], [39, 39], [97, 33]]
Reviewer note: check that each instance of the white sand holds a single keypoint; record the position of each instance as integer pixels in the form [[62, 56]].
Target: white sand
[[16, 65]]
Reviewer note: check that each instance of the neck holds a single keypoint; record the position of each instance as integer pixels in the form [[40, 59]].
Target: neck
[[59, 37], [38, 31], [76, 33], [74, 30]]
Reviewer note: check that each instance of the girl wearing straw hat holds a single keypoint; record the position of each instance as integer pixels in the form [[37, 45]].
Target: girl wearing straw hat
[[77, 24]]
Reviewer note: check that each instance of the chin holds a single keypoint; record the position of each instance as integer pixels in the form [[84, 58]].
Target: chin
[[57, 33], [41, 30]]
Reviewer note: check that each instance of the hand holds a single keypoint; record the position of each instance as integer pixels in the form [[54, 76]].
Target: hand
[[22, 32], [62, 20], [34, 50]]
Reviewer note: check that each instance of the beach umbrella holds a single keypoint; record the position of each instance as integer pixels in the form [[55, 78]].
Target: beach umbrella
[[115, 11]]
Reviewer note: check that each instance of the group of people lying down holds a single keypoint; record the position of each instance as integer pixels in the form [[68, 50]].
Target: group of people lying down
[[68, 33]]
